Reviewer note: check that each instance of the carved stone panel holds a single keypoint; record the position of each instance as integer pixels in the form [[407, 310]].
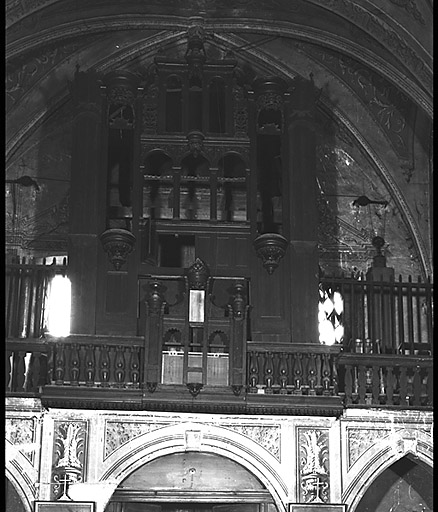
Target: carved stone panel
[[360, 440], [118, 433], [264, 435], [313, 477], [21, 432], [69, 452]]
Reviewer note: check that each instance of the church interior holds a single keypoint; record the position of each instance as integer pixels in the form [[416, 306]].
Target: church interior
[[219, 256]]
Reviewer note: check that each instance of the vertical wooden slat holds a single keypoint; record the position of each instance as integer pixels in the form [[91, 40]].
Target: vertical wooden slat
[[176, 193], [428, 287], [404, 399], [418, 294], [410, 314], [213, 194], [375, 386], [392, 342], [18, 371], [390, 381], [416, 386], [362, 384], [348, 385], [400, 315]]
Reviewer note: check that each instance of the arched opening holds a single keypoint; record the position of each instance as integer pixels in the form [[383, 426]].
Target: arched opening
[[404, 486], [191, 482], [13, 502]]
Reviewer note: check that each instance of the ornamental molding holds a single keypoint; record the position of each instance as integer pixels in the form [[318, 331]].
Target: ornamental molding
[[21, 433], [266, 436], [119, 433], [360, 440]]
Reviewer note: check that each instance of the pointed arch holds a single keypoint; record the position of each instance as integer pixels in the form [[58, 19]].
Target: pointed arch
[[397, 446]]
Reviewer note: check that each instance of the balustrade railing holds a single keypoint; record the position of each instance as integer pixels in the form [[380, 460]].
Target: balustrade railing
[[392, 317], [94, 364], [292, 369], [27, 286], [26, 369], [386, 380]]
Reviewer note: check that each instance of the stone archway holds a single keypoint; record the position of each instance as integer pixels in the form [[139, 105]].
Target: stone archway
[[404, 443], [407, 483], [192, 481]]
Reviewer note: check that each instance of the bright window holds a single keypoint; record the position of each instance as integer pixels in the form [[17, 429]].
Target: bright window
[[59, 306]]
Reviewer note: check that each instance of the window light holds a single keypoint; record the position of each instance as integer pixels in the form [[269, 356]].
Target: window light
[[59, 306]]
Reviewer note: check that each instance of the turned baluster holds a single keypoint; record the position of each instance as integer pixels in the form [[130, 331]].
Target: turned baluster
[[34, 372], [119, 364], [390, 382], [283, 372], [253, 372], [298, 374], [269, 372], [318, 385], [74, 364], [104, 366], [89, 365], [311, 374], [59, 364], [135, 367], [326, 375]]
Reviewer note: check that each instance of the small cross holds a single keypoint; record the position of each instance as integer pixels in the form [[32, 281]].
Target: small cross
[[64, 479]]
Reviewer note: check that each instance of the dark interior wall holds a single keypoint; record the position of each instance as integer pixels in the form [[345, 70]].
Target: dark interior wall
[[12, 501], [404, 487]]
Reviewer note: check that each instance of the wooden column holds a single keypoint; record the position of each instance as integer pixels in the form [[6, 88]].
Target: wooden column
[[85, 199], [301, 227]]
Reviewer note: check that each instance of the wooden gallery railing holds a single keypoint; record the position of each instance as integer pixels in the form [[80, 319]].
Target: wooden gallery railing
[[385, 360], [390, 317], [295, 369]]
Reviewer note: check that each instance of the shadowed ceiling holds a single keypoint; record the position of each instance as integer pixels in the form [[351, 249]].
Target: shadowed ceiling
[[371, 60]]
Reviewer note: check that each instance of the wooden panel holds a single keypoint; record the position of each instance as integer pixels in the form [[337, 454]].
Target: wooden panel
[[116, 292]]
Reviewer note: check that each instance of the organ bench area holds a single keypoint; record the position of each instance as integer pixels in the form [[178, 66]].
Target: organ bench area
[[193, 222]]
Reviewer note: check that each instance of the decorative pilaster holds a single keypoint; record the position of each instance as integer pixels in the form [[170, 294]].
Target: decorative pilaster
[[69, 451], [314, 478], [303, 210]]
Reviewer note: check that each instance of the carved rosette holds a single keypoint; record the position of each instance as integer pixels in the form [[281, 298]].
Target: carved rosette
[[270, 247], [68, 463], [314, 482], [198, 275], [118, 244]]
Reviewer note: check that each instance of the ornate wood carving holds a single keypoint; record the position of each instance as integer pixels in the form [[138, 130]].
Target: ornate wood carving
[[314, 478]]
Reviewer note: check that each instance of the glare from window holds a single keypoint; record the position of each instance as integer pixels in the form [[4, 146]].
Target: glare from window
[[59, 306], [331, 307]]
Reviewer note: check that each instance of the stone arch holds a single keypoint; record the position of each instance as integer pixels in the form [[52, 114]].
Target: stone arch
[[202, 438], [398, 445], [18, 471]]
